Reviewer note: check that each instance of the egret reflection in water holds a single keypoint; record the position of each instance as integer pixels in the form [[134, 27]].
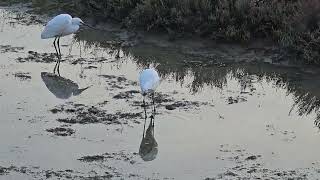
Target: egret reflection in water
[[148, 150], [61, 87], [215, 67]]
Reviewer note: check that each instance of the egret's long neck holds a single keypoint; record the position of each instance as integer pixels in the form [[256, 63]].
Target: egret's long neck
[[74, 28], [73, 21], [75, 25]]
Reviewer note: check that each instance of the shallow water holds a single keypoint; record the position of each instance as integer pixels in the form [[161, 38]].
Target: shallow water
[[234, 105]]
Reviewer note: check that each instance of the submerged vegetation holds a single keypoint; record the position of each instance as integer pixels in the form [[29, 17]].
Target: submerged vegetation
[[293, 24]]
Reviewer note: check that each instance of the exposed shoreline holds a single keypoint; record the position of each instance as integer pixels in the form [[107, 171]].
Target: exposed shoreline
[[293, 27]]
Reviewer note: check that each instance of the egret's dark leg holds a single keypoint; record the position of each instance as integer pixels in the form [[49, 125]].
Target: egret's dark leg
[[153, 115], [54, 44], [55, 47], [152, 97], [59, 47], [144, 102], [145, 120], [118, 54], [59, 56], [153, 102]]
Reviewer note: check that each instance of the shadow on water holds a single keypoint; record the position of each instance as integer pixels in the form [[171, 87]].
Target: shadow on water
[[61, 87], [148, 150]]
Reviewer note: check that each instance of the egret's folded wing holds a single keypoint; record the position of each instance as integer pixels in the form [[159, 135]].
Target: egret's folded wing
[[56, 26], [149, 80]]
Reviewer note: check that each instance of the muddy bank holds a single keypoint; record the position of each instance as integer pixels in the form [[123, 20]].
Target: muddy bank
[[38, 173], [8, 48], [82, 114], [251, 166], [61, 131], [292, 26]]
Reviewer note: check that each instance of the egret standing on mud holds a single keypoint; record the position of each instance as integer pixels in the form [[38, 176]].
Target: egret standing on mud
[[149, 81], [59, 26]]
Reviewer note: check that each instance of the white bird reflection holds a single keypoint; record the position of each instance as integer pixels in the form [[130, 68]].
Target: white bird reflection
[[148, 150], [61, 87]]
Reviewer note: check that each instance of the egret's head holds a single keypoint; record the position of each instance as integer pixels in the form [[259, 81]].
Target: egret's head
[[77, 21]]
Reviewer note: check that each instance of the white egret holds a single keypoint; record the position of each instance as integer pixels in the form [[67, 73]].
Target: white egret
[[59, 26], [149, 81]]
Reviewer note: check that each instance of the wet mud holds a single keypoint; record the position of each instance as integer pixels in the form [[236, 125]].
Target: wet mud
[[252, 167], [38, 57], [22, 76], [120, 156], [8, 48], [61, 131], [37, 173]]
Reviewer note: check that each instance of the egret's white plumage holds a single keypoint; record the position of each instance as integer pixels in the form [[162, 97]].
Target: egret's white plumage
[[61, 25], [149, 80]]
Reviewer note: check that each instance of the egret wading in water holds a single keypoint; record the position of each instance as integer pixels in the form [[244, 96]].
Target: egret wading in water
[[59, 26], [149, 81]]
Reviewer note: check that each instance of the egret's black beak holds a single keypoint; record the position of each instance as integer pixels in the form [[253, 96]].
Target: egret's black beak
[[84, 24]]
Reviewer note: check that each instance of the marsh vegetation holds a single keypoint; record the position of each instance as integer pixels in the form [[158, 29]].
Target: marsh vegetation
[[293, 25]]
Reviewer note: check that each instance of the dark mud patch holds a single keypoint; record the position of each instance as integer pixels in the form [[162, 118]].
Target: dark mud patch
[[38, 57], [235, 100], [55, 110], [61, 131], [161, 100], [126, 94], [109, 172], [33, 56], [117, 156], [186, 105], [10, 169], [22, 76], [11, 49], [87, 115], [103, 103], [34, 172], [92, 158], [251, 165], [118, 82], [253, 157], [258, 171], [89, 61]]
